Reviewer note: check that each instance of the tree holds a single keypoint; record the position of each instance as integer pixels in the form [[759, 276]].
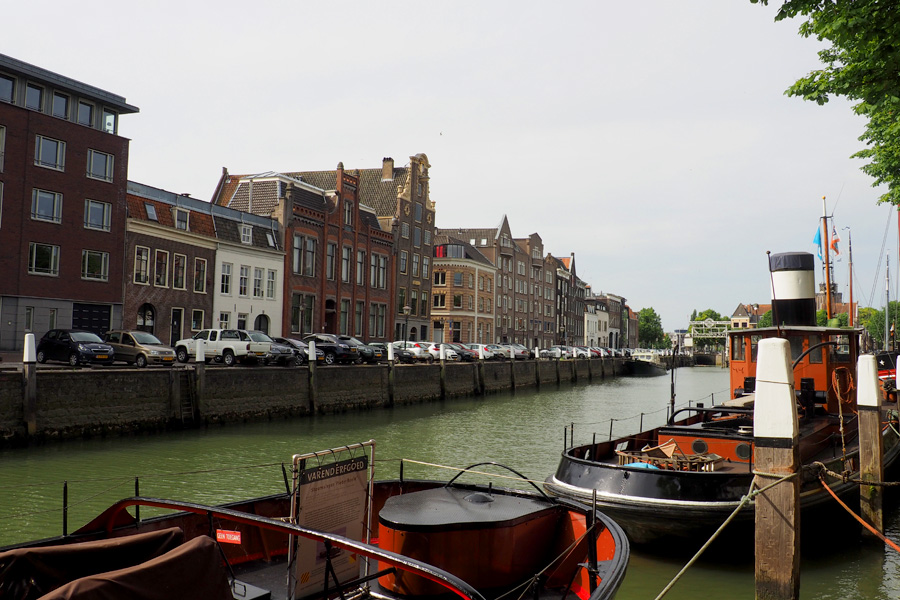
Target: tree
[[861, 64], [765, 320], [708, 314], [650, 331], [875, 324]]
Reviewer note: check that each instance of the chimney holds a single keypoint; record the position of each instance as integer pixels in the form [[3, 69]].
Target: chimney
[[793, 288], [387, 169]]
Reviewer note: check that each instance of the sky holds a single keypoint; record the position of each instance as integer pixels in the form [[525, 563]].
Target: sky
[[651, 139]]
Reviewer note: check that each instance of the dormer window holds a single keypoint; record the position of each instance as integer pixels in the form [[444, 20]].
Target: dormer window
[[270, 239], [246, 234], [181, 219], [34, 97], [151, 212], [110, 121], [85, 114]]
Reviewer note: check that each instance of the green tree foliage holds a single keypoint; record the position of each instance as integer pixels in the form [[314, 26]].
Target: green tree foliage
[[765, 320], [703, 316], [862, 64], [875, 324], [650, 331]]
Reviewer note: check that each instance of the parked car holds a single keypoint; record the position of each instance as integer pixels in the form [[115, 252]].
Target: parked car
[[435, 351], [557, 352], [484, 349], [301, 350], [278, 353], [529, 353], [75, 347], [418, 349], [580, 352], [466, 354], [401, 355], [520, 352], [139, 348], [336, 350], [365, 353], [500, 352]]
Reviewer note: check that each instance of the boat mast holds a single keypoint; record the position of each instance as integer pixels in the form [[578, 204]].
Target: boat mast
[[887, 298], [827, 243], [850, 265]]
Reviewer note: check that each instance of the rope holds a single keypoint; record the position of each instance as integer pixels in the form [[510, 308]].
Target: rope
[[821, 469], [836, 384], [877, 533]]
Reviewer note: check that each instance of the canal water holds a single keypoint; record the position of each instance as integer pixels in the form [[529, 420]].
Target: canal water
[[524, 430]]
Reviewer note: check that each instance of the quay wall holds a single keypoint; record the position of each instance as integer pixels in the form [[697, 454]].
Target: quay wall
[[89, 402]]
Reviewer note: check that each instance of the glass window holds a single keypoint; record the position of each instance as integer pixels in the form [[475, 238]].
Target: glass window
[[425, 263], [2, 146], [46, 206], [440, 278], [360, 267], [110, 121], [403, 258], [7, 88], [457, 279], [100, 165], [415, 265], [200, 275], [141, 265], [258, 275], [331, 251], [270, 284], [225, 286], [242, 320], [34, 97], [181, 219], [224, 320], [309, 258], [345, 317], [246, 234], [85, 114], [417, 237], [428, 237], [95, 265], [97, 215], [796, 346], [418, 214], [815, 356], [346, 258], [179, 268], [60, 105], [297, 254], [43, 259], [151, 212], [404, 230], [50, 153], [244, 281], [161, 269], [359, 318], [348, 213], [401, 297], [737, 348], [196, 320]]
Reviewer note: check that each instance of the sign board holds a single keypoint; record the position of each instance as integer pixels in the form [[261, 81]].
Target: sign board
[[224, 536], [332, 498]]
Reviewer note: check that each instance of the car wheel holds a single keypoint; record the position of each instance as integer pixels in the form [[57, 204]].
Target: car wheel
[[265, 362], [140, 361], [41, 357], [73, 359], [298, 360], [329, 358], [358, 360], [181, 354], [228, 358], [429, 359]]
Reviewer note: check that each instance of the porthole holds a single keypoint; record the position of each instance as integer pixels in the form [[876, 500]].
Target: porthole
[[699, 447], [743, 451]]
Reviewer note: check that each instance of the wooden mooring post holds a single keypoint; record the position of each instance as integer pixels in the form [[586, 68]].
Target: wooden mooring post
[[871, 444], [777, 456]]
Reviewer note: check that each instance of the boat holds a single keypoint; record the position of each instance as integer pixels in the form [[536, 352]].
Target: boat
[[682, 480], [887, 373], [336, 531], [644, 363]]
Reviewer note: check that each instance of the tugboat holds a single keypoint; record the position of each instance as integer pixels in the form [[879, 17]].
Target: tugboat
[[684, 479]]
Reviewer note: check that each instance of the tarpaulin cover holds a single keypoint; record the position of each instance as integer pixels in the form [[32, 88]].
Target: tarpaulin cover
[[792, 261]]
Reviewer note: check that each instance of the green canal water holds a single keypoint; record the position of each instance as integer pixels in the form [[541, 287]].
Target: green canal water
[[523, 430]]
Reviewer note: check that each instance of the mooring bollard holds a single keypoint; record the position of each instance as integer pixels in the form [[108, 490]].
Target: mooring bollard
[[312, 377], [390, 358], [443, 355], [871, 444], [29, 371], [481, 369], [776, 435]]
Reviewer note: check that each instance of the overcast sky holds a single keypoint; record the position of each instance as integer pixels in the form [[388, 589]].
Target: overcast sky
[[653, 139]]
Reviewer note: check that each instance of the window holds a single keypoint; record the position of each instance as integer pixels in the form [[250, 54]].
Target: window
[[418, 213], [427, 237], [225, 284], [200, 275], [440, 278], [404, 230], [270, 239], [34, 97], [270, 284], [457, 301], [415, 265], [196, 320], [85, 114], [423, 305], [401, 297], [43, 259], [413, 302], [457, 279], [417, 237], [50, 153], [360, 267], [242, 320], [345, 317], [246, 234], [440, 300], [181, 219], [224, 320], [346, 258], [95, 265], [425, 263], [382, 273], [244, 281], [97, 215], [2, 146], [179, 266], [46, 206], [403, 258], [60, 105], [348, 213], [258, 282], [110, 121], [309, 258], [100, 166], [7, 88], [359, 318], [471, 281], [161, 269], [141, 265], [1, 202], [297, 254], [330, 253], [151, 212]]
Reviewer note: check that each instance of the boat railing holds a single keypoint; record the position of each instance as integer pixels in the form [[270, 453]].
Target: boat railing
[[450, 582], [700, 413]]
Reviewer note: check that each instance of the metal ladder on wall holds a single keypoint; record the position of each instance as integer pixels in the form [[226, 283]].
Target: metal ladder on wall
[[189, 400]]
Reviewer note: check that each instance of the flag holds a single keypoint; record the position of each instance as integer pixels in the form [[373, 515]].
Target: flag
[[834, 241], [818, 242]]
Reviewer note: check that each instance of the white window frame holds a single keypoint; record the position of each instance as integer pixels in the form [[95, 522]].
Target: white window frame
[[258, 278], [55, 197], [200, 266], [140, 251], [60, 160], [246, 234], [271, 283], [105, 174], [156, 278], [53, 106], [175, 285], [244, 281], [86, 256], [225, 279], [194, 319], [53, 271], [107, 115], [224, 320], [106, 207], [90, 108], [40, 91], [182, 219]]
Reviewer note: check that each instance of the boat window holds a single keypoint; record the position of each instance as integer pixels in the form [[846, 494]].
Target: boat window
[[815, 357], [841, 352], [737, 347], [796, 347], [754, 345]]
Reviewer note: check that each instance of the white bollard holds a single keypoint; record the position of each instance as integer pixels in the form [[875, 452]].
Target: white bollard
[[29, 353], [390, 351], [480, 352], [443, 353], [200, 352]]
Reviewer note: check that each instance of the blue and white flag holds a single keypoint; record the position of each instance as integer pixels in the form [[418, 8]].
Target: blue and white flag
[[818, 242]]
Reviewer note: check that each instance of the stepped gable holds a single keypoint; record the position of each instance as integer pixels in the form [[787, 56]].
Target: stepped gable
[[374, 192]]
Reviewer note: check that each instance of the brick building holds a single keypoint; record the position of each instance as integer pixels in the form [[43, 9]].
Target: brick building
[[63, 173], [463, 293]]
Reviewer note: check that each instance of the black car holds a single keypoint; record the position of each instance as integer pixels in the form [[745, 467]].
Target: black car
[[366, 353], [278, 354], [401, 355], [336, 350], [301, 350], [75, 347], [465, 354]]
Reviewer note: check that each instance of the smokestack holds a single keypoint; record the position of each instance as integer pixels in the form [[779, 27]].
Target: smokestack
[[793, 288], [387, 169]]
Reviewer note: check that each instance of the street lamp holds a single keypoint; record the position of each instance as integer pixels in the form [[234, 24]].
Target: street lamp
[[406, 310]]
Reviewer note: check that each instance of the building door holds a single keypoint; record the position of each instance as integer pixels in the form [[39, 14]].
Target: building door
[[261, 324], [177, 318], [145, 318], [91, 317]]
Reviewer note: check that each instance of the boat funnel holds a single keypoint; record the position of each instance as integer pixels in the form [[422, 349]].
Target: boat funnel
[[793, 288]]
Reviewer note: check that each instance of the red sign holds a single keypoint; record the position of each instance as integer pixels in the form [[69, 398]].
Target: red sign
[[228, 537]]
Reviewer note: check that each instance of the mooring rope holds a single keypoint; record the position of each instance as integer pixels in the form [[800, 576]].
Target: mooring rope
[[862, 521]]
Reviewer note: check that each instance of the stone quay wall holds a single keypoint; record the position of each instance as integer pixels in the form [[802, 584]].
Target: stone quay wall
[[68, 403]]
